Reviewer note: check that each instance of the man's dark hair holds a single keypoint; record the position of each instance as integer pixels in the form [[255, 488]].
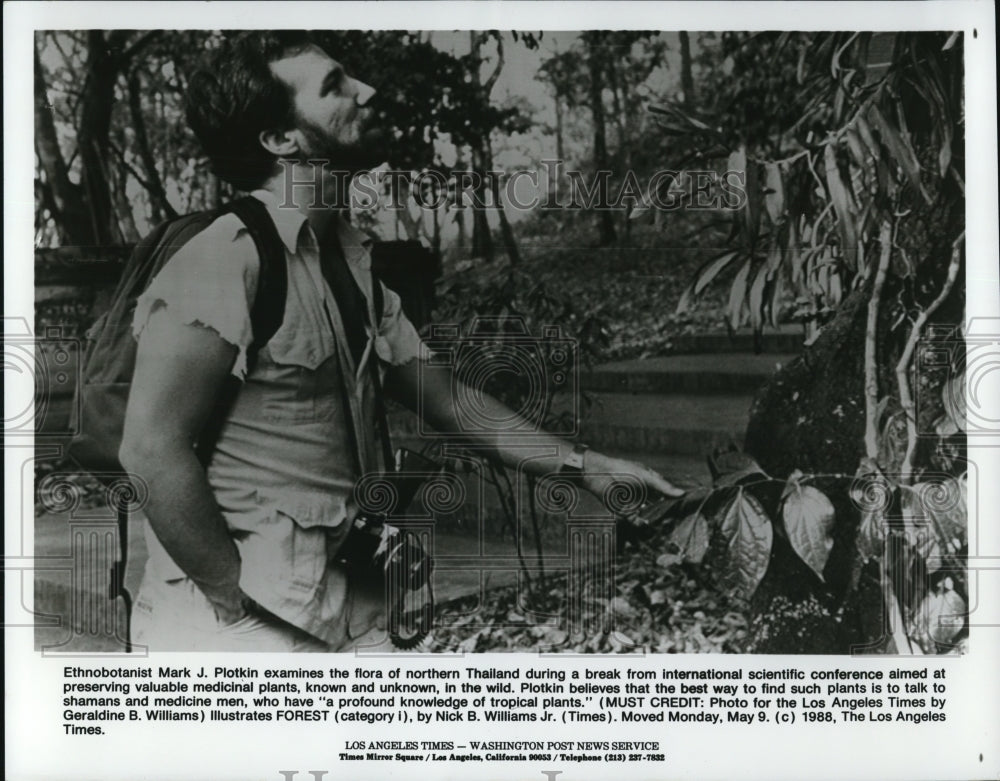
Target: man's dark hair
[[233, 97]]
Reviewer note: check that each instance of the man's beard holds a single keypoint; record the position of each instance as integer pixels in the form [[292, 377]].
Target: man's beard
[[368, 153]]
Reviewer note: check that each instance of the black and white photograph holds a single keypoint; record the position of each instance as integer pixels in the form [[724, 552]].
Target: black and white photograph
[[417, 343]]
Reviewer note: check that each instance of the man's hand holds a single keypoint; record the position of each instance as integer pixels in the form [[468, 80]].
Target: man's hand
[[229, 611], [600, 473]]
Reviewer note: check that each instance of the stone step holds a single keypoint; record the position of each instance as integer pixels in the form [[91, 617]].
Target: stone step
[[785, 339], [729, 373], [680, 425]]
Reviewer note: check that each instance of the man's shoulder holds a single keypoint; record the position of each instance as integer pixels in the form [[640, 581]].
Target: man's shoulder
[[224, 241], [226, 227]]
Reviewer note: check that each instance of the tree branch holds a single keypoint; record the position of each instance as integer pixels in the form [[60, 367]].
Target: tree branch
[[120, 153], [903, 367], [492, 80], [871, 332], [155, 184], [139, 44]]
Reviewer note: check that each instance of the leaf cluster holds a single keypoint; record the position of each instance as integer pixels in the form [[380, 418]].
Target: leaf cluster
[[831, 135]]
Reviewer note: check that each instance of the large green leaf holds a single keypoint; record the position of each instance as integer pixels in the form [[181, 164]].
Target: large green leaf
[[940, 616], [774, 199], [953, 399], [843, 205], [737, 294], [858, 151], [750, 212], [708, 272], [737, 163], [936, 512], [872, 494], [691, 537], [756, 301], [808, 516], [775, 294], [870, 540], [865, 131], [796, 254], [755, 201], [747, 529], [711, 270], [900, 149]]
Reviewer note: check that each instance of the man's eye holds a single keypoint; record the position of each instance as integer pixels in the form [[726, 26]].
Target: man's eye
[[332, 83]]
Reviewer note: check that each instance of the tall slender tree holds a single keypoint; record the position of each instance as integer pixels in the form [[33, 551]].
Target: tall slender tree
[[596, 54]]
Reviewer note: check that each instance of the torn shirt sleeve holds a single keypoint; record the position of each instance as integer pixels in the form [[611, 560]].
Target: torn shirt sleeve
[[210, 282]]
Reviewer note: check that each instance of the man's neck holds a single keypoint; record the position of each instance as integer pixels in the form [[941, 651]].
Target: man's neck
[[313, 191]]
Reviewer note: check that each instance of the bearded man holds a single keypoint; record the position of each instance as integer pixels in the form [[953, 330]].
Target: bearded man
[[242, 554]]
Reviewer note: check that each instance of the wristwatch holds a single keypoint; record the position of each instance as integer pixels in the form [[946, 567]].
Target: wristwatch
[[573, 465]]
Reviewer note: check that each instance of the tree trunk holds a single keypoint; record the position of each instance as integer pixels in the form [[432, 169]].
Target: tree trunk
[[482, 239], [605, 223], [621, 120], [560, 151], [92, 135], [64, 198], [509, 242], [154, 185], [506, 232], [687, 79], [618, 101]]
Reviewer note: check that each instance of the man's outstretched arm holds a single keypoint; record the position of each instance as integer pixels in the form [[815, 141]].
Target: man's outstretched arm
[[421, 386], [179, 372]]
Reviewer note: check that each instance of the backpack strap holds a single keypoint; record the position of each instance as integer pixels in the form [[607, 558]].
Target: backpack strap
[[268, 310], [381, 419], [266, 313]]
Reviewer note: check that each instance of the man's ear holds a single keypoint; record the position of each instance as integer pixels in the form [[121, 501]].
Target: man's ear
[[281, 143]]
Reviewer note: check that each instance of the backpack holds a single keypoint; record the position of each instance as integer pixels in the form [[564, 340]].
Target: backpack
[[101, 396], [98, 414]]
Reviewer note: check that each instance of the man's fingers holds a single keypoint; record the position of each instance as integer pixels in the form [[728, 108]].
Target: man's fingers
[[664, 486], [651, 479]]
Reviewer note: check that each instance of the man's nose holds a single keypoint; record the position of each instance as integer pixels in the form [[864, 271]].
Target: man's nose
[[362, 92]]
